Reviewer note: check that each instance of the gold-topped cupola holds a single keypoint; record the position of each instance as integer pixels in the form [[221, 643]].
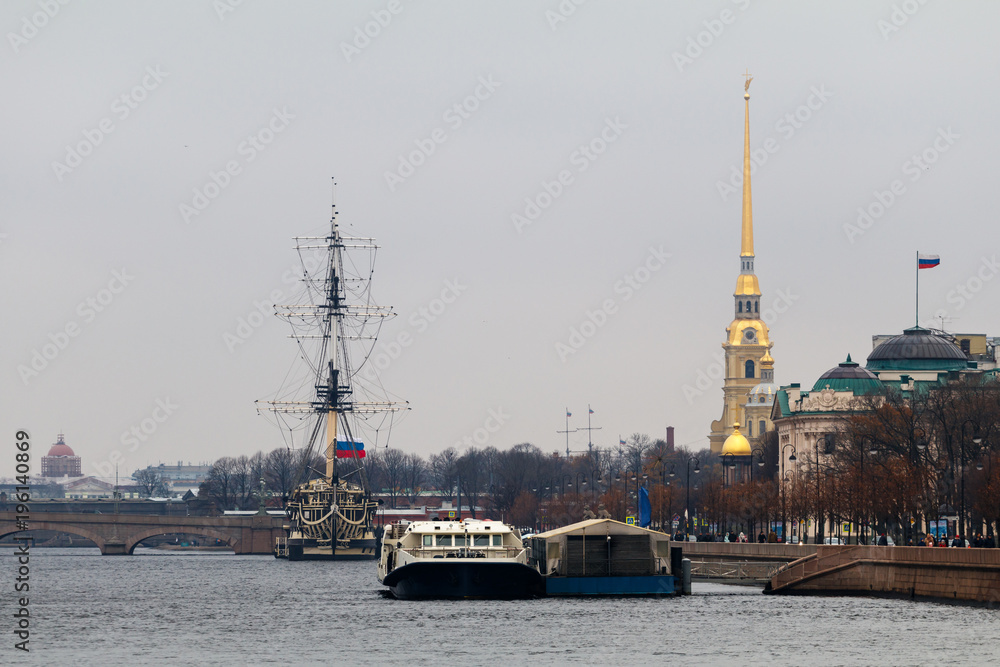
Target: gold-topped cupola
[[747, 292], [747, 345]]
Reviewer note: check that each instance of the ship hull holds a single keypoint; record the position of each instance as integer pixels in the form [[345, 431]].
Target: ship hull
[[463, 580], [304, 549]]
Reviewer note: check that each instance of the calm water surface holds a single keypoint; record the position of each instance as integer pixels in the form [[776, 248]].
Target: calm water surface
[[217, 608]]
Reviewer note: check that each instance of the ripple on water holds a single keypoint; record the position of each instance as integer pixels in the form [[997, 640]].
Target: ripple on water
[[193, 609]]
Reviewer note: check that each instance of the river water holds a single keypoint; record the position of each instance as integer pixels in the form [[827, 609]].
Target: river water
[[216, 608]]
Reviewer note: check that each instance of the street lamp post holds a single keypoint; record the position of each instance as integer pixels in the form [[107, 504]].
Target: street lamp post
[[786, 479], [731, 465], [869, 446], [726, 467], [562, 484], [759, 453], [976, 440], [989, 480], [687, 523], [784, 533]]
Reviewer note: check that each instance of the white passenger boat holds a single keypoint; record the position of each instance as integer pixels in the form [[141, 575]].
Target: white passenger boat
[[456, 559]]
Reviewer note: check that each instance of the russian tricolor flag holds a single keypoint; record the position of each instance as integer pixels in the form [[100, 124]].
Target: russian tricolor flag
[[350, 450], [928, 261]]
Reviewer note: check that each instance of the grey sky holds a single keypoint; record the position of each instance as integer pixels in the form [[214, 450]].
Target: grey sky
[[202, 80]]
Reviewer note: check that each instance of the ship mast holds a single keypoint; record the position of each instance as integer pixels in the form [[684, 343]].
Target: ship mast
[[334, 397]]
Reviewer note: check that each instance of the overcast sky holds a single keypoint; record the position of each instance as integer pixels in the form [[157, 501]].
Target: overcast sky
[[159, 156]]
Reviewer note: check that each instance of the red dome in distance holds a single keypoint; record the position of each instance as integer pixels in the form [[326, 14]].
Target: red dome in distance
[[61, 448]]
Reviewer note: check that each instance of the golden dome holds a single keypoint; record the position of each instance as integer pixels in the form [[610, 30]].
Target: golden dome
[[746, 285], [736, 444], [767, 359], [737, 335]]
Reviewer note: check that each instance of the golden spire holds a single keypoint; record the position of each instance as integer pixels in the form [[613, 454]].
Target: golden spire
[[746, 249]]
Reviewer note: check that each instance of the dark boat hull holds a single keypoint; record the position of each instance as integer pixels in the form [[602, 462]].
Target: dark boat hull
[[363, 549], [461, 579]]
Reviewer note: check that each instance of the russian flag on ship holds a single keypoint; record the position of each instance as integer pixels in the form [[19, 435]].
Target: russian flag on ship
[[350, 450], [928, 261]]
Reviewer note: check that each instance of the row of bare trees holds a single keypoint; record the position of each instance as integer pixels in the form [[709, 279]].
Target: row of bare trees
[[904, 458], [234, 482], [896, 461], [529, 487]]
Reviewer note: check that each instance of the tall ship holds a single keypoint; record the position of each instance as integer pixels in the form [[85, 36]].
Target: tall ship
[[328, 406]]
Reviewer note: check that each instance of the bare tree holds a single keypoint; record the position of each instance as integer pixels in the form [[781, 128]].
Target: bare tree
[[150, 482], [472, 476], [414, 474], [443, 469], [394, 468], [279, 471], [220, 485], [243, 483]]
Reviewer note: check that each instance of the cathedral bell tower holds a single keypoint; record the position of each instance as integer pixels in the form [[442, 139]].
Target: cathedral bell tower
[[747, 338]]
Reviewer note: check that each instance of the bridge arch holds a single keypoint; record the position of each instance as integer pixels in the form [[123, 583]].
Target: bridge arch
[[133, 539], [73, 529]]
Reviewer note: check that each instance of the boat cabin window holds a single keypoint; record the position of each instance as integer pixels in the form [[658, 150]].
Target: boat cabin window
[[461, 540], [498, 540], [482, 540], [428, 540], [444, 540]]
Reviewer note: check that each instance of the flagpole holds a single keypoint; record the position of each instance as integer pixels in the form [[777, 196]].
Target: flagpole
[[917, 299]]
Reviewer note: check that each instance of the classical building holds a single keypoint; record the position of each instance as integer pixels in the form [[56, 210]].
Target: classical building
[[915, 358], [181, 478], [61, 461], [804, 418], [90, 488], [747, 345]]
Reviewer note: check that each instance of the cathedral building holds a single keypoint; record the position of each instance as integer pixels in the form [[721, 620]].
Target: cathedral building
[[61, 461], [748, 389]]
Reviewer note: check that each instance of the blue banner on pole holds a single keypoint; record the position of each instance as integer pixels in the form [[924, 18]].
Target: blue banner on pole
[[645, 509]]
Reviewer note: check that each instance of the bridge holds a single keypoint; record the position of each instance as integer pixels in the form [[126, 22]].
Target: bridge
[[118, 534], [745, 563]]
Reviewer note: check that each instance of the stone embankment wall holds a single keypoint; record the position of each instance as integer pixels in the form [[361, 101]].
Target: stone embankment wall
[[945, 573]]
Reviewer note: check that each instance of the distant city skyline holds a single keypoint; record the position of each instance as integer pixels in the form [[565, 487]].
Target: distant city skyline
[[556, 197]]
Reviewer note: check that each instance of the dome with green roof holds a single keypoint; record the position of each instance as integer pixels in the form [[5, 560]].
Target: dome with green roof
[[918, 349], [849, 376]]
